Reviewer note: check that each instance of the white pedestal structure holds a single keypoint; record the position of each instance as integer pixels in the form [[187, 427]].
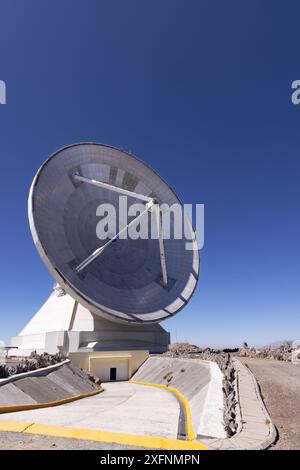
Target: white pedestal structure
[[62, 324]]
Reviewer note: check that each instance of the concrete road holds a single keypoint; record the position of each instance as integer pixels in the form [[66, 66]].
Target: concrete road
[[123, 407], [17, 441], [280, 385]]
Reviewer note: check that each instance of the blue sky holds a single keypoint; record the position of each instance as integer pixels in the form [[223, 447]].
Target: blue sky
[[198, 89]]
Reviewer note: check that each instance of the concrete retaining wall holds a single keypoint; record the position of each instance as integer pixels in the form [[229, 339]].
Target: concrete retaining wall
[[199, 381], [45, 385]]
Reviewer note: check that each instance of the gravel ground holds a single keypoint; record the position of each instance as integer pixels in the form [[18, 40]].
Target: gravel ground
[[280, 386], [18, 441]]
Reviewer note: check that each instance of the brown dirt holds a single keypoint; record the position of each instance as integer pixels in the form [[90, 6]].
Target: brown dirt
[[280, 386]]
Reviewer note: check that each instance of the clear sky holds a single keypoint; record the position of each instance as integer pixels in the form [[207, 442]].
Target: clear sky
[[198, 89]]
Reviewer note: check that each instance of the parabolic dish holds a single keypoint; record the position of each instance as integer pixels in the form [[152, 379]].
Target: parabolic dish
[[124, 283]]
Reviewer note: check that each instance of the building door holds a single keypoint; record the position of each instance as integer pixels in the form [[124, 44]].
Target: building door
[[113, 373], [104, 369]]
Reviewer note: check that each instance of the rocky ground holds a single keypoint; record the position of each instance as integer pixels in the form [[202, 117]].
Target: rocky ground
[[280, 386], [18, 365], [283, 352]]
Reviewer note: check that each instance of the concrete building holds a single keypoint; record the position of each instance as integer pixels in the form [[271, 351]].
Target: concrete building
[[110, 365], [111, 350]]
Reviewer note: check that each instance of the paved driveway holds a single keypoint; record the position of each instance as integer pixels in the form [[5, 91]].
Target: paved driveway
[[123, 407]]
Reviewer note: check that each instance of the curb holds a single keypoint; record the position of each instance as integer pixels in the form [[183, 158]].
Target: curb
[[257, 432], [151, 442], [36, 406]]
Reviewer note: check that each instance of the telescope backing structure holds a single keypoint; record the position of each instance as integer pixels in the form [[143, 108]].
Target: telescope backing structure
[[111, 293], [63, 324]]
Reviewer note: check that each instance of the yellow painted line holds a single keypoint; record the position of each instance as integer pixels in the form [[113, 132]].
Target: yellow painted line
[[101, 436], [191, 435], [13, 426], [36, 406]]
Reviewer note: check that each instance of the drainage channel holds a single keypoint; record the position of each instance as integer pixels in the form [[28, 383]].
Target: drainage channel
[[182, 432]]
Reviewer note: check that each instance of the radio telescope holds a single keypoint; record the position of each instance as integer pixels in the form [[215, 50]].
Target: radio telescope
[[110, 294]]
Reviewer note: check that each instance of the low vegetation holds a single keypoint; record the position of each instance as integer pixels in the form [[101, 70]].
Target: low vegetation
[[33, 362]]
